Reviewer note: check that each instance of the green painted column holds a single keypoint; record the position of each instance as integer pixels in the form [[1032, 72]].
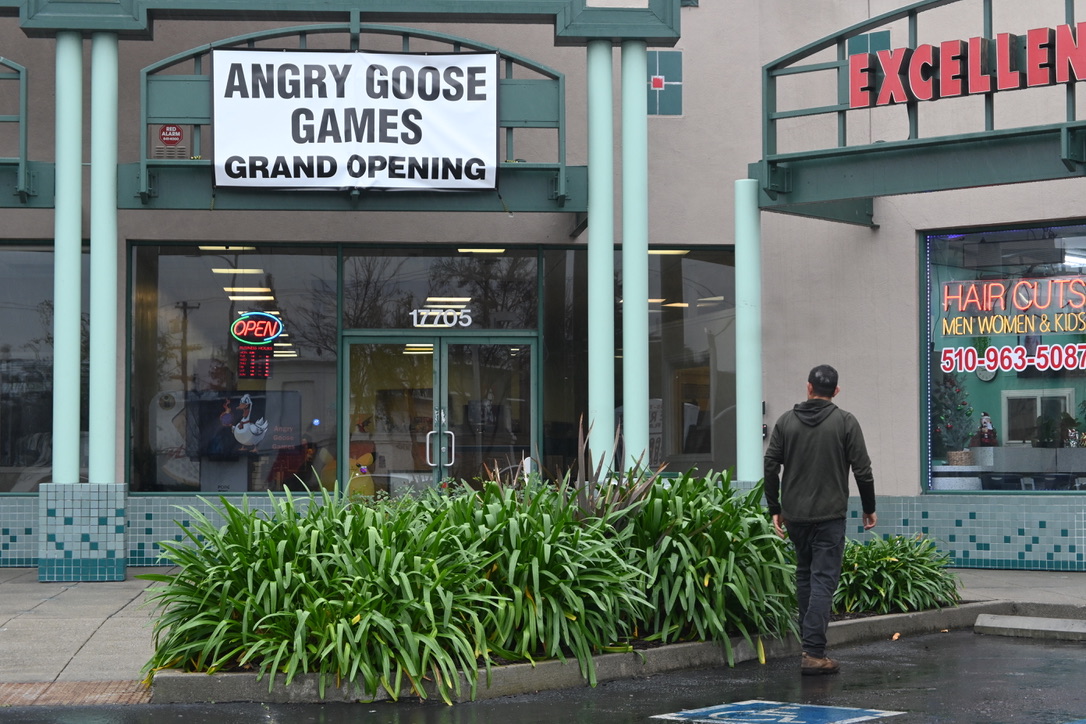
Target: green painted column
[[748, 332], [635, 254], [601, 251], [104, 362], [68, 250]]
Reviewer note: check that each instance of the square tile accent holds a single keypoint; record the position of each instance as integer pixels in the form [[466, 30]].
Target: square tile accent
[[78, 527], [1022, 532], [18, 531]]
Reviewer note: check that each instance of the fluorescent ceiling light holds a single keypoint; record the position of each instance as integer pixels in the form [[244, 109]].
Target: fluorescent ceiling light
[[481, 251], [669, 252], [711, 299], [237, 271], [247, 289], [448, 299], [226, 248], [446, 305], [250, 298], [677, 304]]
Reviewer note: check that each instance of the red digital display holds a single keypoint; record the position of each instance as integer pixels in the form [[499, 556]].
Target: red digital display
[[254, 361]]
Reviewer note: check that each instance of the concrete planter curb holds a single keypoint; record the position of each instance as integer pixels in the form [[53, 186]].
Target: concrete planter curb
[[173, 687]]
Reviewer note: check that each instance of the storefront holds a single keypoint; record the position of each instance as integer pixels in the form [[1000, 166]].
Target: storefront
[[1007, 330], [393, 369], [250, 332]]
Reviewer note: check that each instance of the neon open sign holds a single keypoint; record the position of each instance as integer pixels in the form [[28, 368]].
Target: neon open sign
[[256, 328]]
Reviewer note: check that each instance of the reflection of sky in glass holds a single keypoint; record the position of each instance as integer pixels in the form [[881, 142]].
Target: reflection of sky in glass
[[194, 294], [26, 293]]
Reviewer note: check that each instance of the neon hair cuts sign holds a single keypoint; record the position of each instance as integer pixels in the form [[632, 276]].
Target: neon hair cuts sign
[[953, 68]]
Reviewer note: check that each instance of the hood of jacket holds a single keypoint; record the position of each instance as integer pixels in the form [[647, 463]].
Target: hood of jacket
[[813, 412]]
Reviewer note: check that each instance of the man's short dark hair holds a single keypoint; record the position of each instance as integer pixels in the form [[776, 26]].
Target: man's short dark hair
[[823, 379]]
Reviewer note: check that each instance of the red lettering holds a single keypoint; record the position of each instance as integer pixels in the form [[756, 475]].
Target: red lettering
[[893, 63], [1070, 57], [860, 85], [1075, 288], [979, 79], [923, 80], [1023, 295], [1037, 298], [995, 293], [1039, 54], [1008, 77], [949, 297], [971, 298], [950, 68]]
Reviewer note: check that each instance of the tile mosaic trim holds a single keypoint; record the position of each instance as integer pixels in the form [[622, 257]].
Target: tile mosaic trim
[[18, 531], [1014, 532], [81, 531]]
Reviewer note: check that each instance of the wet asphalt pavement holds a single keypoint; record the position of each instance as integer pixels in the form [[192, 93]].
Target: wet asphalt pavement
[[957, 677]]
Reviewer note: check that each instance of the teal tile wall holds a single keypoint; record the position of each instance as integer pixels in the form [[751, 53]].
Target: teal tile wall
[[153, 519], [1015, 531], [1023, 532], [81, 532], [18, 531]]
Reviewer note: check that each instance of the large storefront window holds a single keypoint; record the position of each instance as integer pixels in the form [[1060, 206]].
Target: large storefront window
[[452, 360], [26, 368], [692, 359], [1008, 359], [234, 368]]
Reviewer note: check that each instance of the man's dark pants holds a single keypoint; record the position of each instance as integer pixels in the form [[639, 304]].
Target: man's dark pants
[[819, 549]]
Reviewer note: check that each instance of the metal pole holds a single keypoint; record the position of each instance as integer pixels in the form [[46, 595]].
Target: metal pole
[[104, 363], [748, 332], [635, 254], [601, 253]]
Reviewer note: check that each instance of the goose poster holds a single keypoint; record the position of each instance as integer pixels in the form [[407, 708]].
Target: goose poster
[[228, 425], [355, 120]]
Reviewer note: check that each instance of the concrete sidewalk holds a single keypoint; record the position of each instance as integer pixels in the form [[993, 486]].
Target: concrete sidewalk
[[68, 643]]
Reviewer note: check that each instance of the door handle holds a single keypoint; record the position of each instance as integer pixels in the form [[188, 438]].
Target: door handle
[[430, 449], [452, 448]]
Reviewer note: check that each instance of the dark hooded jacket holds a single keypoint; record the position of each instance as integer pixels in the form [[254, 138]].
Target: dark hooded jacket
[[817, 443]]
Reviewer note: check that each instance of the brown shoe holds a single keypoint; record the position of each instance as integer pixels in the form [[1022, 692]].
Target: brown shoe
[[815, 666]]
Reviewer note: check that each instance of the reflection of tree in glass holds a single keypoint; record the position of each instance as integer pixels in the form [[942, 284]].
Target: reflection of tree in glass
[[37, 346], [313, 317], [371, 297], [502, 289]]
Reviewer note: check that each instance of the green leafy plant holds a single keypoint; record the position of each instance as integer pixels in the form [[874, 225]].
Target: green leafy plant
[[562, 583], [385, 595], [420, 593], [714, 567], [895, 574]]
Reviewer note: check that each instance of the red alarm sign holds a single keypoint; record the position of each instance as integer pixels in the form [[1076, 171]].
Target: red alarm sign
[[171, 134]]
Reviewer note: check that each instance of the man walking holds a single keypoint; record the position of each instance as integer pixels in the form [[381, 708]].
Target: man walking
[[817, 443]]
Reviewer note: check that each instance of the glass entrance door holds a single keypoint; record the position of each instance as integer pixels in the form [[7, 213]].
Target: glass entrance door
[[424, 409]]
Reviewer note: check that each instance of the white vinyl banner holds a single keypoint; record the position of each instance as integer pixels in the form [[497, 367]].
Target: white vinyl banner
[[321, 120]]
